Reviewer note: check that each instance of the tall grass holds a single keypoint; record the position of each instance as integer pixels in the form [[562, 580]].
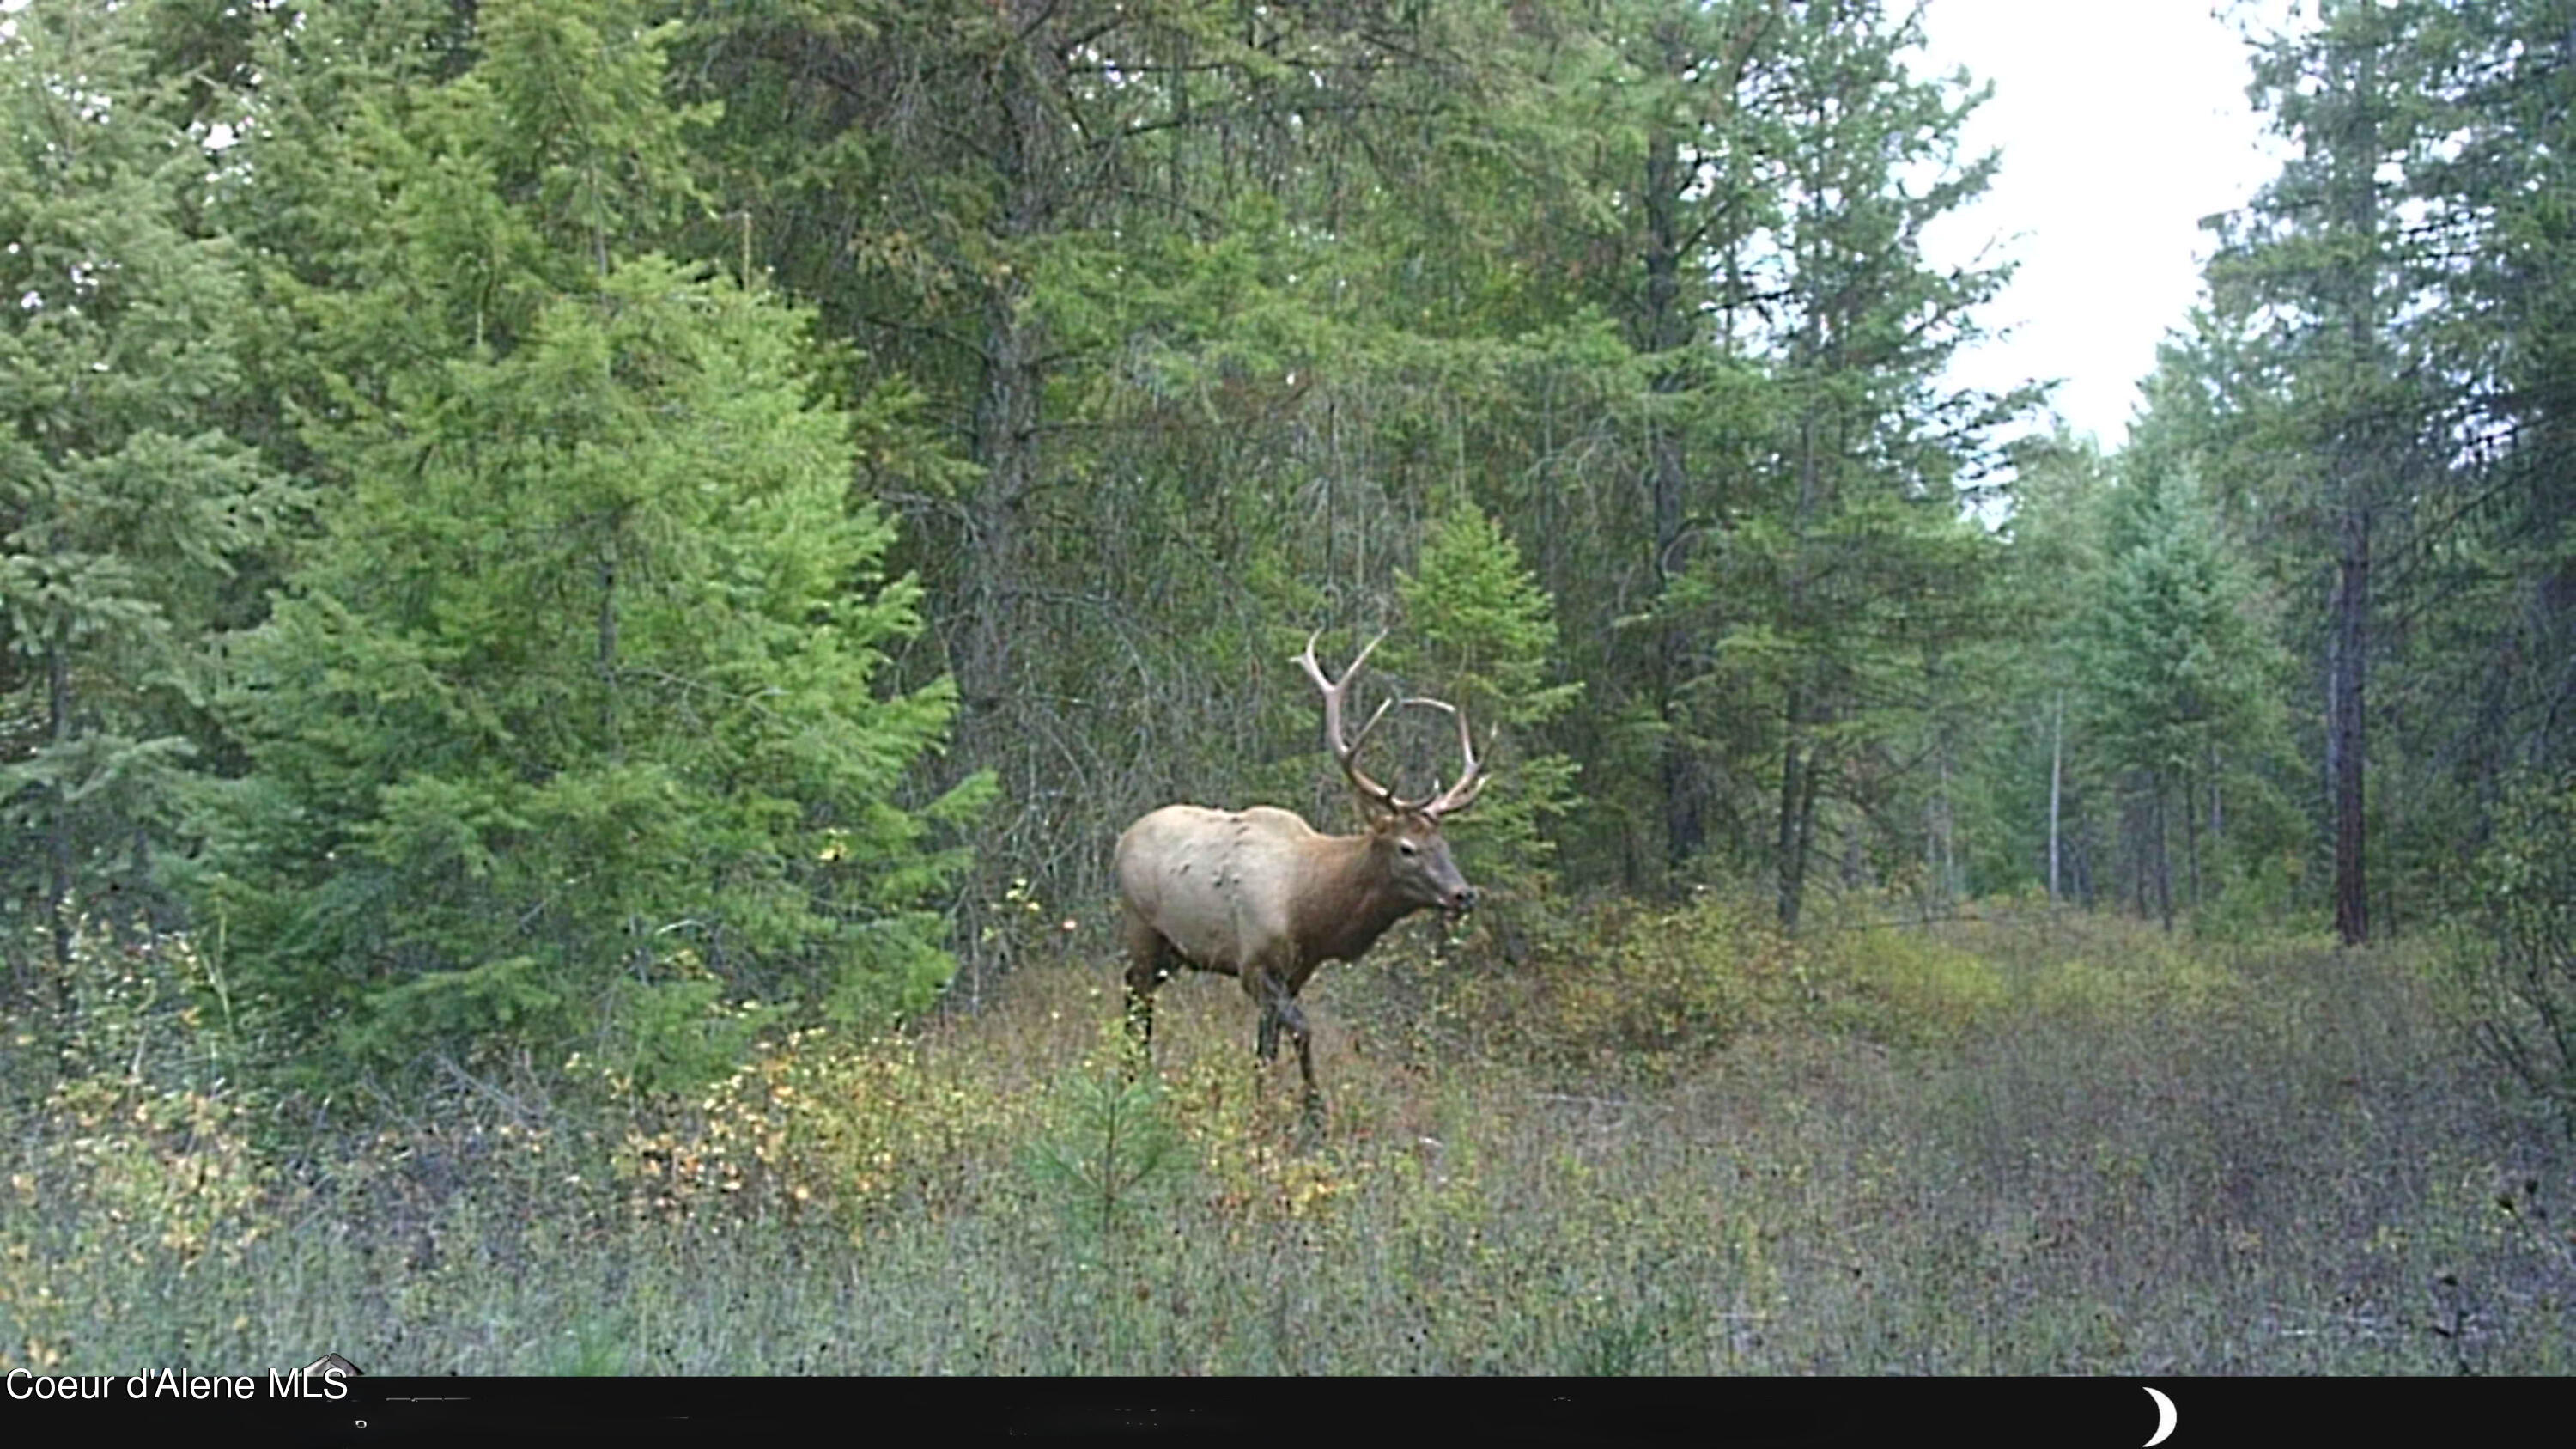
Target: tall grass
[[1670, 1143]]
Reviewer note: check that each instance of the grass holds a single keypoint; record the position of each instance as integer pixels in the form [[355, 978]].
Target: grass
[[2044, 1145]]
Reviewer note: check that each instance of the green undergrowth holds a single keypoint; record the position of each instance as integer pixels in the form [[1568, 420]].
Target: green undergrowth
[[1661, 1142]]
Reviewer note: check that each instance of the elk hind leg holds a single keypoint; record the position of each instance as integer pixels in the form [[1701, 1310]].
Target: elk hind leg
[[1150, 959]]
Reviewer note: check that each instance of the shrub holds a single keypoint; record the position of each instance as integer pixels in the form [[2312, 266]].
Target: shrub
[[129, 1142], [818, 1121], [2524, 982]]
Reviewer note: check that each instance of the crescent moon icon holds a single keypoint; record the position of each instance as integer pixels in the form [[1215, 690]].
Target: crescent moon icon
[[2166, 1418]]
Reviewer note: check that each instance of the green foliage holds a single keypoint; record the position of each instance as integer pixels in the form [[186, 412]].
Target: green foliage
[[1109, 1157], [2170, 657], [125, 504], [2524, 977], [571, 725], [596, 732], [570, 719], [1809, 615], [1481, 634], [2181, 687]]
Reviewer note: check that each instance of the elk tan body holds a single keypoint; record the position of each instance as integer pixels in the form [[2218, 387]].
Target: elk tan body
[[1260, 895]]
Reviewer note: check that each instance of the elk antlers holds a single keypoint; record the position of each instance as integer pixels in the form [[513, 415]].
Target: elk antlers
[[1444, 802]]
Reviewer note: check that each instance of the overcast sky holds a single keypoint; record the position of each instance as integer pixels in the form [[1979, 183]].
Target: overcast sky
[[2122, 123]]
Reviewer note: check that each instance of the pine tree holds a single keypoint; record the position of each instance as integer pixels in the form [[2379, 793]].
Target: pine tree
[[1479, 626], [124, 503], [2319, 269], [1846, 574], [2175, 673], [571, 726]]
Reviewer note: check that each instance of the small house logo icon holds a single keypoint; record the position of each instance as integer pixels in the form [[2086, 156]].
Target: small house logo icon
[[332, 1363]]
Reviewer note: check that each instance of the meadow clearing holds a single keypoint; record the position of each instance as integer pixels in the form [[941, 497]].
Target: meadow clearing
[[1668, 1142]]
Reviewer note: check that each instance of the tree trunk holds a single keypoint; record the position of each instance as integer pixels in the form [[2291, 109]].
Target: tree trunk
[[2135, 816], [2361, 453], [1666, 331], [58, 835], [2191, 834], [612, 728], [1797, 817], [2217, 815], [2056, 778], [1797, 774], [2163, 854], [1786, 845], [1806, 835], [2346, 681], [1010, 396]]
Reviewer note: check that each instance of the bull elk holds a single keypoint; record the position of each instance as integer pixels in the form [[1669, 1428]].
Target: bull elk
[[1260, 895]]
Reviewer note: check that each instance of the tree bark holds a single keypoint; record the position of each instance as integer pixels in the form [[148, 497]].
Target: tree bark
[[1010, 396], [58, 835], [2359, 457], [1797, 815], [2346, 683], [1664, 333], [2056, 778], [2141, 865], [2217, 811], [2163, 854], [2191, 834]]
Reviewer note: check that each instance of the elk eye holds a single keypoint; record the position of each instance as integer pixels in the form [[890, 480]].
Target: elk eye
[[1408, 847]]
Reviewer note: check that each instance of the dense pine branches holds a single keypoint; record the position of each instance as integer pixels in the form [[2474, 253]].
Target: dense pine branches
[[496, 497]]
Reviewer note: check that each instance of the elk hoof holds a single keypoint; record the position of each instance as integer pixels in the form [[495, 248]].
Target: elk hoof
[[1311, 1117]]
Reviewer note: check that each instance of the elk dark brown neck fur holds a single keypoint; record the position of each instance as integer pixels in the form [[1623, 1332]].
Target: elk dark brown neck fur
[[1260, 895], [1349, 902]]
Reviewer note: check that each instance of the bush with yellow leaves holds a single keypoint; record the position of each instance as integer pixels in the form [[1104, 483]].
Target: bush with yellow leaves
[[127, 1141], [819, 1121]]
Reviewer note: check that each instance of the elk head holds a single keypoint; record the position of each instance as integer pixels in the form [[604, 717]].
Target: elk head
[[1403, 834]]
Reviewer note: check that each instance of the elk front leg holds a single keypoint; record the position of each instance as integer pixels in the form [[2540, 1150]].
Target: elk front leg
[[1294, 1019], [1280, 1012], [1270, 995], [1265, 1037], [1314, 1101]]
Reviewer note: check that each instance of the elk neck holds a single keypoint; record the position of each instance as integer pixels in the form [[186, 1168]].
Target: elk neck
[[1348, 902]]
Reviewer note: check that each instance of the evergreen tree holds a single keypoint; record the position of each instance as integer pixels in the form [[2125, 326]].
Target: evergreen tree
[[571, 726], [2318, 271], [1477, 624], [2054, 556], [1847, 575], [2491, 616], [2174, 672], [124, 502]]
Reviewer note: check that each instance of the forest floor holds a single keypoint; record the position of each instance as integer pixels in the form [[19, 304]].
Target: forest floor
[[1667, 1143]]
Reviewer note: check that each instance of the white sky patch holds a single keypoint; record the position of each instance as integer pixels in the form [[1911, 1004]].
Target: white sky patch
[[2121, 126]]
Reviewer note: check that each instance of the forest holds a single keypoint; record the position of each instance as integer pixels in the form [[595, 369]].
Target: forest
[[586, 586]]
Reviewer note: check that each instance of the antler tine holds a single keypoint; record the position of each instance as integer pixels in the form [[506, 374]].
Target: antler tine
[[1362, 737], [1471, 779], [1347, 753]]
